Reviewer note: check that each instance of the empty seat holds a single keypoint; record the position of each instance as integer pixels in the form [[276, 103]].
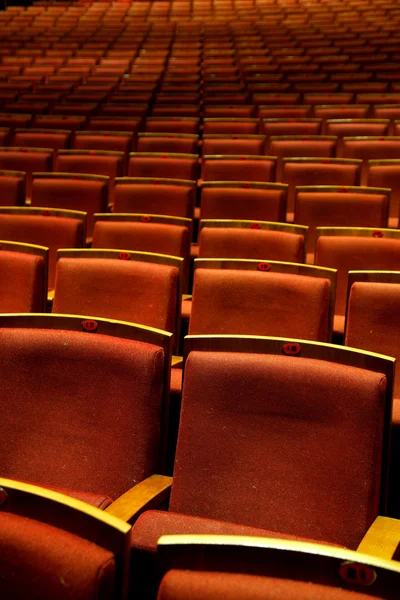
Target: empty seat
[[28, 160], [349, 249], [238, 168], [345, 111], [88, 193], [12, 188], [181, 143], [230, 126], [163, 165], [189, 125], [243, 200], [115, 141], [387, 173], [234, 144], [283, 111], [304, 146], [139, 287], [334, 206], [55, 139], [291, 126], [52, 228], [318, 171], [69, 122], [23, 283], [370, 148]]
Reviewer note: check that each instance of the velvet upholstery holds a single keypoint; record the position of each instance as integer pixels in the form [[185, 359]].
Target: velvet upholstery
[[21, 159], [318, 173], [225, 242], [387, 175], [73, 194], [167, 143], [342, 208], [70, 122], [21, 282], [40, 139], [168, 167], [201, 585], [91, 405], [172, 125], [302, 147], [155, 198], [127, 290], [355, 128], [233, 145], [243, 202], [52, 232], [107, 141], [346, 253], [230, 127], [96, 164], [291, 127], [41, 561], [373, 148], [12, 189], [344, 111], [236, 168], [251, 303]]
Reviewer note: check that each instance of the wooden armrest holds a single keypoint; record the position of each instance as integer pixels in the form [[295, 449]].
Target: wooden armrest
[[187, 296], [89, 241], [146, 495], [176, 361], [50, 296], [382, 538]]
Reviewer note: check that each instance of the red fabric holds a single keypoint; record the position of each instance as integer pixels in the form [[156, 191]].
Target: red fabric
[[290, 147], [243, 203], [154, 198], [355, 253], [165, 167], [98, 500], [387, 176], [291, 127], [309, 173], [117, 143], [40, 561], [348, 111], [126, 290], [254, 303], [86, 163], [91, 405], [72, 194], [340, 209], [59, 122], [36, 139], [231, 127], [110, 124], [167, 143], [371, 149], [201, 585], [52, 232], [12, 190], [190, 126], [15, 159], [265, 438], [355, 129], [220, 242], [238, 169], [231, 145], [373, 321], [21, 282]]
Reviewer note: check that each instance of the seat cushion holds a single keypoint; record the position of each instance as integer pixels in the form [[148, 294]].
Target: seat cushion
[[152, 524]]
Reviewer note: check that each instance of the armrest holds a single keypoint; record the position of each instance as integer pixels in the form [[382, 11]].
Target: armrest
[[187, 296], [88, 243], [382, 538], [176, 361], [146, 495]]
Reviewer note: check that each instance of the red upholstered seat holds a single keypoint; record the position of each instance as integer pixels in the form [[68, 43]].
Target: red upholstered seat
[[332, 206], [70, 122], [387, 173], [51, 228], [238, 168], [163, 165], [183, 143], [371, 148], [347, 250], [26, 159], [243, 200], [118, 287], [12, 188], [244, 421], [65, 378], [318, 171], [117, 141], [312, 146], [291, 126], [23, 283], [230, 126], [187, 585], [172, 125], [234, 144], [345, 111], [37, 138]]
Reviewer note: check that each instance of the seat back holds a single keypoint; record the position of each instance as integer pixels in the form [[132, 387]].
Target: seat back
[[372, 319], [318, 171], [371, 148], [244, 297], [88, 193], [12, 188], [49, 227], [387, 172], [139, 287], [28, 160], [203, 566], [224, 238], [184, 143], [146, 195], [163, 165], [233, 144], [23, 283], [42, 138], [172, 125], [247, 399], [348, 249], [238, 168], [230, 126], [334, 206], [44, 531], [315, 146], [243, 200], [291, 126], [102, 382]]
